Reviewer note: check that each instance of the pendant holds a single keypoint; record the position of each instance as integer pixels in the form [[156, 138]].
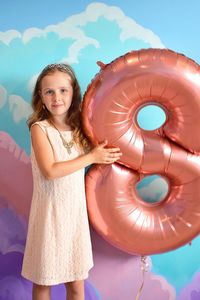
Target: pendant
[[68, 146], [68, 149]]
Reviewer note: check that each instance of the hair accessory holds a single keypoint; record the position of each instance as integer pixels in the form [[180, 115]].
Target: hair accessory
[[64, 67]]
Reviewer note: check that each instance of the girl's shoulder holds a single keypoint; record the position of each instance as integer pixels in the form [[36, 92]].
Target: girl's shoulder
[[44, 125]]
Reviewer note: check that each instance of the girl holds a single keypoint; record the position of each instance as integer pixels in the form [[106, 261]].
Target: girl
[[58, 247]]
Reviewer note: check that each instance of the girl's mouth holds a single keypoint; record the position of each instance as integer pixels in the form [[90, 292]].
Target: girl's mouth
[[57, 105]]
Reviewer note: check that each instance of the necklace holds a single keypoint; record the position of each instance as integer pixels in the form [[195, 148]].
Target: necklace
[[67, 145]]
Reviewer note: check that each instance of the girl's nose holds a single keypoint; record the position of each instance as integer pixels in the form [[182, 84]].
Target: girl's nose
[[57, 96]]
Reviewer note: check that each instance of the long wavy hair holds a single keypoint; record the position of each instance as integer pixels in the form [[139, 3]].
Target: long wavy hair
[[74, 113]]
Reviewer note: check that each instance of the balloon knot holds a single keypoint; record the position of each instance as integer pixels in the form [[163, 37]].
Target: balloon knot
[[101, 64]]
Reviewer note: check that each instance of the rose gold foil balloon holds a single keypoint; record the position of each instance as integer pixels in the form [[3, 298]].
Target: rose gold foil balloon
[[110, 108]]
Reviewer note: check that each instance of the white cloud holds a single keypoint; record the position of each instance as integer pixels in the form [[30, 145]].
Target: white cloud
[[3, 96], [129, 28], [8, 36], [30, 33], [19, 107], [71, 28], [75, 49]]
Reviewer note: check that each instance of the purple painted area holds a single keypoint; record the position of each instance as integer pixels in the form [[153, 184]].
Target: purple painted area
[[90, 292], [12, 230], [14, 288], [192, 290], [195, 295], [12, 285], [59, 292], [10, 264]]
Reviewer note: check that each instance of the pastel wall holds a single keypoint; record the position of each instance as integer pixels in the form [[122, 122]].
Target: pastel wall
[[81, 33]]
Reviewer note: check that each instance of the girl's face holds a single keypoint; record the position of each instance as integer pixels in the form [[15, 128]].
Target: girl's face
[[56, 92]]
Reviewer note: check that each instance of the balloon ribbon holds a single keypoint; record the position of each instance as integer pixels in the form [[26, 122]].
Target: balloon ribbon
[[144, 268]]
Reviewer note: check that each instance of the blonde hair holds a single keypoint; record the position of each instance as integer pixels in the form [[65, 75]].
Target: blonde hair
[[74, 113]]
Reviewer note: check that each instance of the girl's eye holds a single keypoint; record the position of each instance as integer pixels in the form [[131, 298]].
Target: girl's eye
[[63, 91], [49, 92]]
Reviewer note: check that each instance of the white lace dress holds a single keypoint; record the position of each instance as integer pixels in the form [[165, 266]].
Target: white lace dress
[[58, 247]]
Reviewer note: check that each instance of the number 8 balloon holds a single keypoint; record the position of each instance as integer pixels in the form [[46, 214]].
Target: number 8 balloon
[[110, 107]]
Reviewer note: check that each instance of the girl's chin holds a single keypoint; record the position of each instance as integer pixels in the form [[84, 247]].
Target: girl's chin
[[58, 114]]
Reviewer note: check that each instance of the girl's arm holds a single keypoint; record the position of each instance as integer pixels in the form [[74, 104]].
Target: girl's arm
[[52, 169]]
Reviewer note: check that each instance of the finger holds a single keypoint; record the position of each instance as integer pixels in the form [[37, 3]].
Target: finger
[[115, 155], [113, 158], [110, 160], [111, 150]]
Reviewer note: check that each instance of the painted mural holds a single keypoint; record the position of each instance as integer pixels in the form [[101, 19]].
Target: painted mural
[[82, 33]]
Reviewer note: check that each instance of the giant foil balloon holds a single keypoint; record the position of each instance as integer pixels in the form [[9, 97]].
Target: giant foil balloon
[[111, 104]]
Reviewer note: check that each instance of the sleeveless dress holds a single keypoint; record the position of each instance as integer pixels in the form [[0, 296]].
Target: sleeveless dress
[[58, 246]]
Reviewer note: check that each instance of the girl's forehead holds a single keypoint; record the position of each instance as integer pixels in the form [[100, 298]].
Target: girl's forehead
[[56, 78]]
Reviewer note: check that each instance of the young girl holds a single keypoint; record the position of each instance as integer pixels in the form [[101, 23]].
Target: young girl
[[58, 247]]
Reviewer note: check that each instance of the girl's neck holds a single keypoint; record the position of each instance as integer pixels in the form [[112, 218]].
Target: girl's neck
[[60, 123]]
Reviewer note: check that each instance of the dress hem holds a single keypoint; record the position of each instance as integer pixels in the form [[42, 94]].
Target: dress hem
[[82, 276]]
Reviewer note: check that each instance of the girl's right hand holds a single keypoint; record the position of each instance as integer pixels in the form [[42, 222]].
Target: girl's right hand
[[102, 155]]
